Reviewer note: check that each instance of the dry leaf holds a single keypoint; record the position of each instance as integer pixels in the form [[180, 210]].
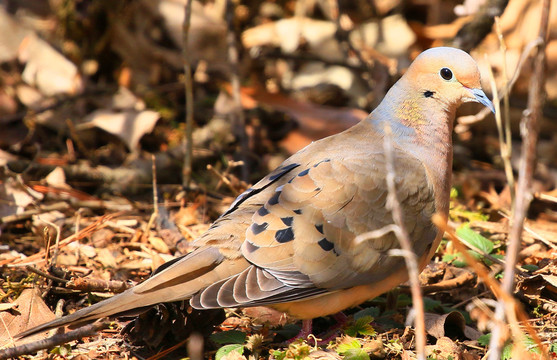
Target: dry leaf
[[158, 244], [47, 69], [128, 125], [31, 312], [452, 324]]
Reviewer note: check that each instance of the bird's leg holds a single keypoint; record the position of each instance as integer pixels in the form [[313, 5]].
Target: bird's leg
[[305, 331], [341, 320], [307, 328]]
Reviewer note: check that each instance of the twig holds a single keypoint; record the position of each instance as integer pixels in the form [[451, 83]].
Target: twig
[[535, 234], [57, 243], [88, 330], [404, 239], [45, 275], [505, 141], [155, 213], [444, 285], [61, 206], [97, 225], [239, 121], [96, 285], [529, 132], [188, 139], [506, 114]]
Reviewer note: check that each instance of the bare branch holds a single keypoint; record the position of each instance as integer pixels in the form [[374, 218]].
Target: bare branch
[[529, 127], [406, 244]]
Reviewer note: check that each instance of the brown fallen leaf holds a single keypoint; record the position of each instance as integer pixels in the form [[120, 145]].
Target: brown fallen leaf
[[31, 311], [445, 348], [451, 325]]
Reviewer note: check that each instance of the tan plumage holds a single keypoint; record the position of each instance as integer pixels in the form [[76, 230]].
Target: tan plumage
[[288, 242]]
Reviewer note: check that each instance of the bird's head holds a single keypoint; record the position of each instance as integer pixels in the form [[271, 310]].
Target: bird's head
[[448, 75]]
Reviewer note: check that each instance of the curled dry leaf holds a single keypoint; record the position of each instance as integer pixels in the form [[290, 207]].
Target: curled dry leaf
[[452, 325]]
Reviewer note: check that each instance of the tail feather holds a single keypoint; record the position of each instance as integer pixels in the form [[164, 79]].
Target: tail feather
[[179, 281]]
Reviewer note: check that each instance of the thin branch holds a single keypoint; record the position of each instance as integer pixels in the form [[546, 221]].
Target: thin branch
[[409, 255], [505, 141], [45, 275], [188, 139], [33, 347], [529, 132]]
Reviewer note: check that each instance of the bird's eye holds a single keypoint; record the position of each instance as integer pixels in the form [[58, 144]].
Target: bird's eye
[[446, 74]]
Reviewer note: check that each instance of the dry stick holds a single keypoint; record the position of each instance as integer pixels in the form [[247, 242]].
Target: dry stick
[[33, 347], [239, 118], [504, 133], [61, 206], [155, 213], [529, 132], [45, 275], [513, 305], [57, 247], [506, 114], [188, 139], [99, 224], [407, 250]]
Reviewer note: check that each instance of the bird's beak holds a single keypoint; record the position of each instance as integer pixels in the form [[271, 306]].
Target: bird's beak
[[479, 96]]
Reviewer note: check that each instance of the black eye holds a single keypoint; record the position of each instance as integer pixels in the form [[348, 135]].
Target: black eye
[[446, 74]]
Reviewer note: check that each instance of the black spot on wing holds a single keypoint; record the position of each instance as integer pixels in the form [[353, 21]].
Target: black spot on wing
[[253, 191], [262, 211], [250, 247], [298, 211], [284, 235], [275, 198], [282, 171], [287, 220], [258, 228], [326, 244], [319, 228], [304, 172], [321, 162]]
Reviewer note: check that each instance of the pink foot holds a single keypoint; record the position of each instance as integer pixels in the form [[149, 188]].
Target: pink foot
[[307, 328]]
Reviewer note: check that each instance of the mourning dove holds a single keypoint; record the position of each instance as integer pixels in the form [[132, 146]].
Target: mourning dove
[[289, 241]]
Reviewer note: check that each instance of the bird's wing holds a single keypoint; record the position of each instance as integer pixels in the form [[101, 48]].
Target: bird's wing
[[300, 240]]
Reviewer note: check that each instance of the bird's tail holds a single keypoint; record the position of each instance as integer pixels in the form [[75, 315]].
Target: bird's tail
[[179, 281]]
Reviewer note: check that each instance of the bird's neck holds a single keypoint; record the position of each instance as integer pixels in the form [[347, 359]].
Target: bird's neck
[[421, 127]]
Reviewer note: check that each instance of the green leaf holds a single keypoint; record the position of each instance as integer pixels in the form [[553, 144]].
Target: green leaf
[[346, 346], [279, 355], [361, 326], [430, 304], [507, 352], [531, 344], [530, 267], [229, 337], [475, 239], [484, 339], [227, 349], [372, 311], [356, 354]]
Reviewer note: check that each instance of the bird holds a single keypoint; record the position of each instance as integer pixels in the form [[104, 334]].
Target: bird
[[289, 241]]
